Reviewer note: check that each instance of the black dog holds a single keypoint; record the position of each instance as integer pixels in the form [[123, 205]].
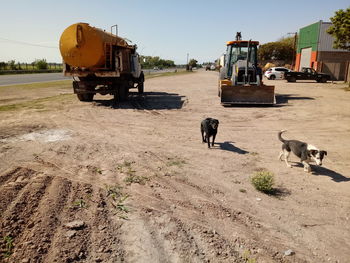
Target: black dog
[[209, 126]]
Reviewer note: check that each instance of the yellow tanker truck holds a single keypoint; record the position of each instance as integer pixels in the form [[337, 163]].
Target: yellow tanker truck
[[100, 62]]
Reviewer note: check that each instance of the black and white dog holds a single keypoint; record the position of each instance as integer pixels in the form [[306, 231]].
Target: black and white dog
[[209, 127], [306, 152]]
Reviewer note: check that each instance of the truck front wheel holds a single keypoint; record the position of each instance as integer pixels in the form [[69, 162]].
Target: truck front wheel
[[140, 87]]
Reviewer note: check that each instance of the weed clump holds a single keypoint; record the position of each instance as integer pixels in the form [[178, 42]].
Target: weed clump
[[8, 240], [263, 181], [136, 179]]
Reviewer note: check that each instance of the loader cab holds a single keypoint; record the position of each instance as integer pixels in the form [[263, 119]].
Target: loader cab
[[240, 53]]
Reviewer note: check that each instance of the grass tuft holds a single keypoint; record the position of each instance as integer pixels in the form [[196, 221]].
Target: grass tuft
[[8, 246], [175, 162], [263, 181], [117, 200], [80, 203], [136, 179], [37, 104]]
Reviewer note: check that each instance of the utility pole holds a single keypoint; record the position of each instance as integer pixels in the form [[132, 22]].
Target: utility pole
[[294, 47], [187, 66]]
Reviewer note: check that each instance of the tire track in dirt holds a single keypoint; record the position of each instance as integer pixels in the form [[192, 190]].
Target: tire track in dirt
[[11, 184], [72, 246], [178, 224], [97, 240], [36, 238], [17, 216], [107, 245], [35, 210]]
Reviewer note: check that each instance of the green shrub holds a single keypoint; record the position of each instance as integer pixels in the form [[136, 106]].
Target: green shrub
[[41, 64], [263, 181]]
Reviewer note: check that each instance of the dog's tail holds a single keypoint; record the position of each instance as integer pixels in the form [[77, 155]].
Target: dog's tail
[[280, 135]]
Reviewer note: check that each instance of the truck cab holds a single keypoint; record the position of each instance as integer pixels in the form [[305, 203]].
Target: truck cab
[[306, 74]]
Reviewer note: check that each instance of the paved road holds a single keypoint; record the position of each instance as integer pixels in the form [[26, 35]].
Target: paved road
[[30, 78], [43, 77]]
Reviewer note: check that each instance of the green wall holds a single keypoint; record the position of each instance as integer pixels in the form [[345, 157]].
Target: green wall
[[308, 37]]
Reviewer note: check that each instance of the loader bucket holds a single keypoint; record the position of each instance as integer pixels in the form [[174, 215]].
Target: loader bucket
[[248, 94]]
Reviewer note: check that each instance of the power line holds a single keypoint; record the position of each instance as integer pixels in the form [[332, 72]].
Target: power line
[[26, 43]]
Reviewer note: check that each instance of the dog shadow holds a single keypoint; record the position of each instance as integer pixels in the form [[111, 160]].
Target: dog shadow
[[228, 146], [323, 171]]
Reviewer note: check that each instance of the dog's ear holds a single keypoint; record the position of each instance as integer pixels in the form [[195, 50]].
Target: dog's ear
[[324, 152], [313, 152]]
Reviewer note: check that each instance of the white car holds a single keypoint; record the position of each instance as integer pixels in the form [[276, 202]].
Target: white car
[[276, 73]]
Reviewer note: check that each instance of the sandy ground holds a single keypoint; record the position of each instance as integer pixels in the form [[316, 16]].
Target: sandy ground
[[91, 183]]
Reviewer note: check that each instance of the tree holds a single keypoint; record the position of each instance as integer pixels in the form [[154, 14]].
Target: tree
[[3, 65], [193, 63], [151, 62], [279, 50], [41, 64], [12, 64], [340, 29]]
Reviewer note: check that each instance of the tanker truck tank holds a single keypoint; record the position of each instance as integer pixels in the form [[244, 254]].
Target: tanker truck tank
[[101, 61]]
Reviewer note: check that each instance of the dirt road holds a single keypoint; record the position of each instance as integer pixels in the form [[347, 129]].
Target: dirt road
[[91, 183]]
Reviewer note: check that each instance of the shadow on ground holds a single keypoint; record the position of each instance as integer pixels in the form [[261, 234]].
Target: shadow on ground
[[285, 98], [280, 192], [281, 101], [228, 146], [323, 171], [147, 101]]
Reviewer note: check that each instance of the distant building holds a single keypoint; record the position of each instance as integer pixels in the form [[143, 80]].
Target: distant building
[[315, 49]]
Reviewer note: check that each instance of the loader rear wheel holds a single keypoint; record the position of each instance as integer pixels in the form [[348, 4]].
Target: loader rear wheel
[[291, 79], [323, 80], [272, 77]]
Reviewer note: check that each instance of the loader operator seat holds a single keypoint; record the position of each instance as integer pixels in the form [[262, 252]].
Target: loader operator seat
[[240, 57]]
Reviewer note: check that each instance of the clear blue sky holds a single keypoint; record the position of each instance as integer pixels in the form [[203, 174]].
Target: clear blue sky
[[169, 29]]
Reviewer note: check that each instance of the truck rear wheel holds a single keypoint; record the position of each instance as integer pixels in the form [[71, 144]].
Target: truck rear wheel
[[323, 80], [122, 94], [85, 97]]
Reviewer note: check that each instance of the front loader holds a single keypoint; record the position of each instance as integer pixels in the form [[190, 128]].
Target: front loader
[[240, 78]]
